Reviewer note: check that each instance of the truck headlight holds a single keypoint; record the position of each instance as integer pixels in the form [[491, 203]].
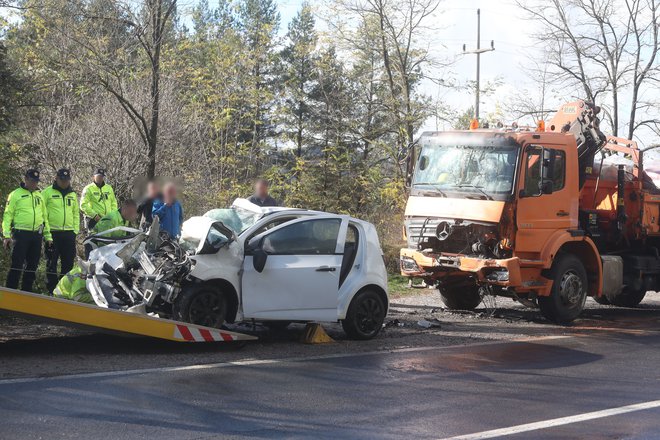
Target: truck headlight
[[498, 275], [409, 265]]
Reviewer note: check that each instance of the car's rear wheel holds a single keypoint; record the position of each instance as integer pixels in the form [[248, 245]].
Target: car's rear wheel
[[201, 305], [569, 290], [365, 315]]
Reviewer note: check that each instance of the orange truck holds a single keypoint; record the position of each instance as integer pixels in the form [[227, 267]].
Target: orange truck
[[546, 217]]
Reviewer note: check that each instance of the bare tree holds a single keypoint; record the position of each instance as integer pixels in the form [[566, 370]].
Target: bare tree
[[105, 43], [398, 27], [606, 50]]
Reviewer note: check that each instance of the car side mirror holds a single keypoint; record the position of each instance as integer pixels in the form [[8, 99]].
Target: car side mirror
[[259, 257]]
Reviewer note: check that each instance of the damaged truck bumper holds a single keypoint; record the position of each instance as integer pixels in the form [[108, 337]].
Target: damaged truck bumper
[[506, 273]]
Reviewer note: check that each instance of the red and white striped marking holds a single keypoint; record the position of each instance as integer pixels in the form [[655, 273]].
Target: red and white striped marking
[[196, 334]]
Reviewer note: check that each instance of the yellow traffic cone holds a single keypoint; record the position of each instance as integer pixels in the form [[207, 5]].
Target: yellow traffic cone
[[315, 334]]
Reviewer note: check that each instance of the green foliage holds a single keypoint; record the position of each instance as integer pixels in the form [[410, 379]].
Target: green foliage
[[237, 101]]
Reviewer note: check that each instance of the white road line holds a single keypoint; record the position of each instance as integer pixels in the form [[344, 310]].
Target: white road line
[[557, 422], [252, 362]]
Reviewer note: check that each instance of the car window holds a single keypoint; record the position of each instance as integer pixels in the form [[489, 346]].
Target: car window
[[312, 237], [350, 251], [272, 224]]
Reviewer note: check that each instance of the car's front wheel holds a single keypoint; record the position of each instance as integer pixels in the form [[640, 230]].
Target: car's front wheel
[[365, 315], [201, 305]]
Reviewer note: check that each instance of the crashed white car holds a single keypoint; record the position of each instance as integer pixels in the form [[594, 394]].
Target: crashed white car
[[273, 265]]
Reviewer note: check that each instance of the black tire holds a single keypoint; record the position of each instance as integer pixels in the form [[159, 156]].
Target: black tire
[[602, 300], [628, 297], [461, 298], [365, 316], [569, 290], [201, 305]]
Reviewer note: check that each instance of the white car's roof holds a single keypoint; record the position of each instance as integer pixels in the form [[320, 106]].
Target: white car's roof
[[249, 206]]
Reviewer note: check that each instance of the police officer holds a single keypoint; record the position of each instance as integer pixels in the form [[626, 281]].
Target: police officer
[[64, 221], [98, 199], [26, 221], [121, 217]]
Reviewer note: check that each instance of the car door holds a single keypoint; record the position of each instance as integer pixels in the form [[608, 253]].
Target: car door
[[300, 279]]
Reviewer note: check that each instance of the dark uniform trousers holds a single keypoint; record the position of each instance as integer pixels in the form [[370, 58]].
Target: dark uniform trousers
[[64, 250], [24, 259]]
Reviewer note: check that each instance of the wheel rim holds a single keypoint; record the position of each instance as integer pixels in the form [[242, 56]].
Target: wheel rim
[[206, 308], [369, 315], [570, 289]]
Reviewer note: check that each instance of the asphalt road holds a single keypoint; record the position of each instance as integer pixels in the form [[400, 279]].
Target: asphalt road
[[422, 392]]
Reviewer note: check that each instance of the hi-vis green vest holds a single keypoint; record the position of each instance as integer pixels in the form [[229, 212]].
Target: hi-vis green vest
[[73, 287], [112, 220], [62, 208], [25, 211], [97, 201]]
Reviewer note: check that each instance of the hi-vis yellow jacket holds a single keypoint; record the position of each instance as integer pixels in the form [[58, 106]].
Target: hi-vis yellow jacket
[[25, 211], [62, 208], [97, 200]]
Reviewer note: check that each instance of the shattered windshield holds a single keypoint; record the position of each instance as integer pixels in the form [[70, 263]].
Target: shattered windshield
[[481, 171], [237, 219]]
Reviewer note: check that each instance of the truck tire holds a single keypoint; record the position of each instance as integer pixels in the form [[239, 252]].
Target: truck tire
[[463, 298], [569, 290], [201, 305], [365, 316], [628, 297], [602, 300]]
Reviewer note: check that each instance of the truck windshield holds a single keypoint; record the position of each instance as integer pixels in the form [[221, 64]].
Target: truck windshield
[[485, 171]]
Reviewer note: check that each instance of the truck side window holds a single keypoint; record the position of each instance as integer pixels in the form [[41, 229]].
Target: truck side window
[[533, 172], [559, 173]]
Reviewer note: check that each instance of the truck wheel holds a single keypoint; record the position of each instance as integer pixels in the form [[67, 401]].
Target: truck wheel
[[602, 300], [466, 298], [201, 305], [365, 316], [628, 297], [569, 290]]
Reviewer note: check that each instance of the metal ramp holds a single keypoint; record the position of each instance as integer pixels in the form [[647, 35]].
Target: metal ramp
[[76, 314]]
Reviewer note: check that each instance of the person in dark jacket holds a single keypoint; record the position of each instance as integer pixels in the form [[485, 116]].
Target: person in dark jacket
[[169, 211], [147, 204], [261, 196]]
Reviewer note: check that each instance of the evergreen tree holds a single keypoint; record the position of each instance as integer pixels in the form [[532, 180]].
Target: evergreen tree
[[298, 60]]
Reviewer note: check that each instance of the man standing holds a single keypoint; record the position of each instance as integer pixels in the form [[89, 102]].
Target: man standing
[[260, 196], [25, 220], [64, 221], [98, 199], [169, 211], [146, 205]]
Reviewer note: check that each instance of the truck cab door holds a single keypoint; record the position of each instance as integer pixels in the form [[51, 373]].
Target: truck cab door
[[547, 197]]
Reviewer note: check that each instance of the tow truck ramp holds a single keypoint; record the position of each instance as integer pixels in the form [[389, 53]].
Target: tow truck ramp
[[70, 313]]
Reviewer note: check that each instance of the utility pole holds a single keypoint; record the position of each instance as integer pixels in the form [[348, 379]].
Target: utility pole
[[478, 53]]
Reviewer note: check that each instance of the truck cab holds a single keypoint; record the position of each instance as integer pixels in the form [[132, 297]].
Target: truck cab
[[536, 215], [498, 212]]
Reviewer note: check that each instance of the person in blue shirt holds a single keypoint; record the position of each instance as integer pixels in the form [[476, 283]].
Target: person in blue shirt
[[169, 211]]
